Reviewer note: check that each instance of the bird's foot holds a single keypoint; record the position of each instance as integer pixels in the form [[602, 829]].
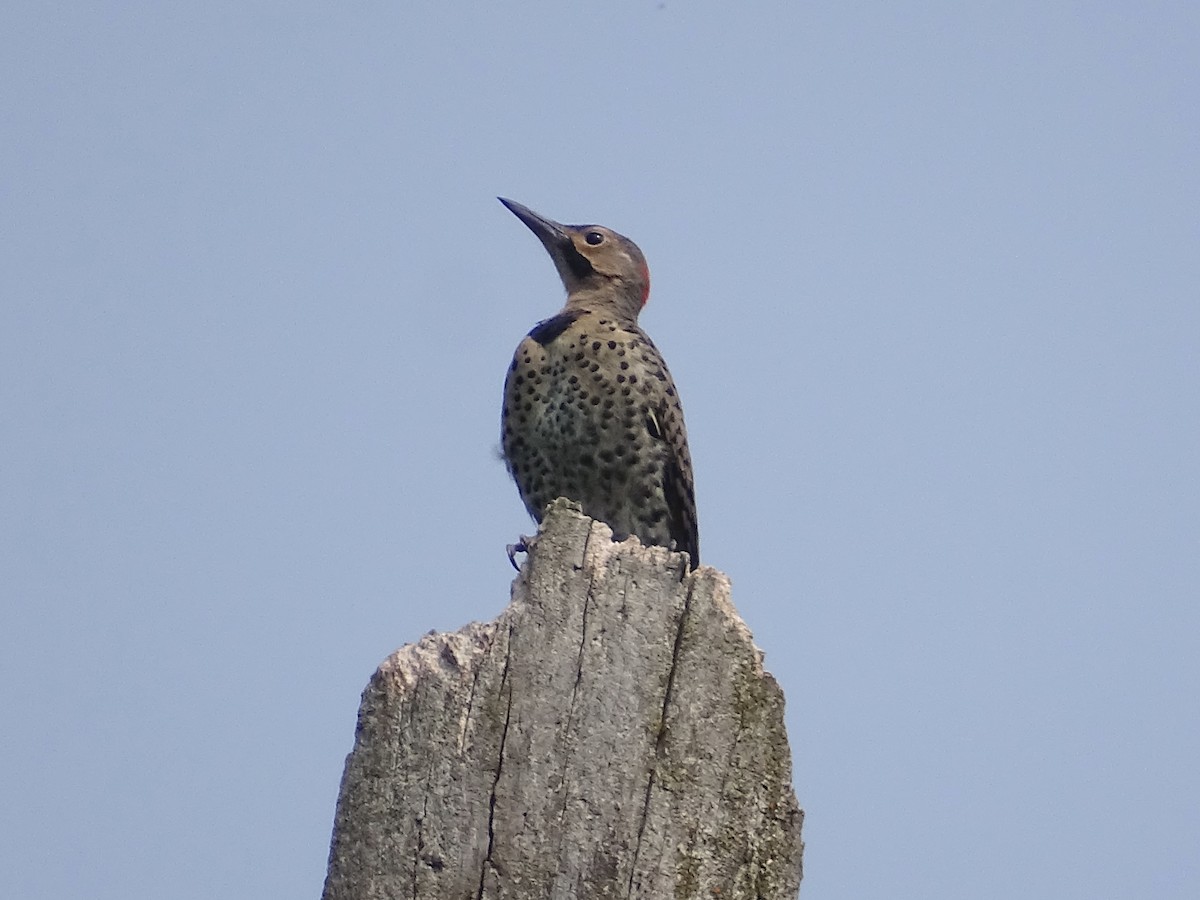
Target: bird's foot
[[521, 546]]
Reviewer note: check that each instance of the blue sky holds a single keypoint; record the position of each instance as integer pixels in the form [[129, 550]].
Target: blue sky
[[926, 277]]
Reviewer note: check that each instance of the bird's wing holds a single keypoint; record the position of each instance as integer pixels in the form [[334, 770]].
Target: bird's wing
[[678, 485]]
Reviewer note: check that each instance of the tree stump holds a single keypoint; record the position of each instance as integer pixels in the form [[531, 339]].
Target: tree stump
[[611, 734]]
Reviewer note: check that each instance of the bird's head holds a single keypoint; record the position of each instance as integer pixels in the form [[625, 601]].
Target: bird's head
[[596, 264]]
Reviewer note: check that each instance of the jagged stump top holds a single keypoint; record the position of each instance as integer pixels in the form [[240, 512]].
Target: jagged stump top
[[612, 734]]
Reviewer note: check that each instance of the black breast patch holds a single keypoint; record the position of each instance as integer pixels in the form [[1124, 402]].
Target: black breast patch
[[548, 329]]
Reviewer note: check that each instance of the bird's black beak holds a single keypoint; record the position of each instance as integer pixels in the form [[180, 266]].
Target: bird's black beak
[[571, 265], [552, 235]]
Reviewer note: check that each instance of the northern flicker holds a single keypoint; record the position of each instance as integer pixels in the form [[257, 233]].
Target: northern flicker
[[590, 410]]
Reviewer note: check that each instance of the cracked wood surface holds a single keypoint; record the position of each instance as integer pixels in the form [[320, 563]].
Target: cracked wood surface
[[611, 734]]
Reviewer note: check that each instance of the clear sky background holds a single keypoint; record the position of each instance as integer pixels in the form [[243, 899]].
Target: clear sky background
[[926, 276]]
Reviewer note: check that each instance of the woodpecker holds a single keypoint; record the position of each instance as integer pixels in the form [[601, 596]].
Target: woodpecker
[[590, 410]]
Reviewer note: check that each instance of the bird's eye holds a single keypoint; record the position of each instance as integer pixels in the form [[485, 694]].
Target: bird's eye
[[594, 238]]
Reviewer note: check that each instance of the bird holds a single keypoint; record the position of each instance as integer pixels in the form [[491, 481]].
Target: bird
[[590, 410]]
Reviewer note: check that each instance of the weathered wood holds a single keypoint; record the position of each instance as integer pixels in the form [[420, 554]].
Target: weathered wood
[[611, 734]]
